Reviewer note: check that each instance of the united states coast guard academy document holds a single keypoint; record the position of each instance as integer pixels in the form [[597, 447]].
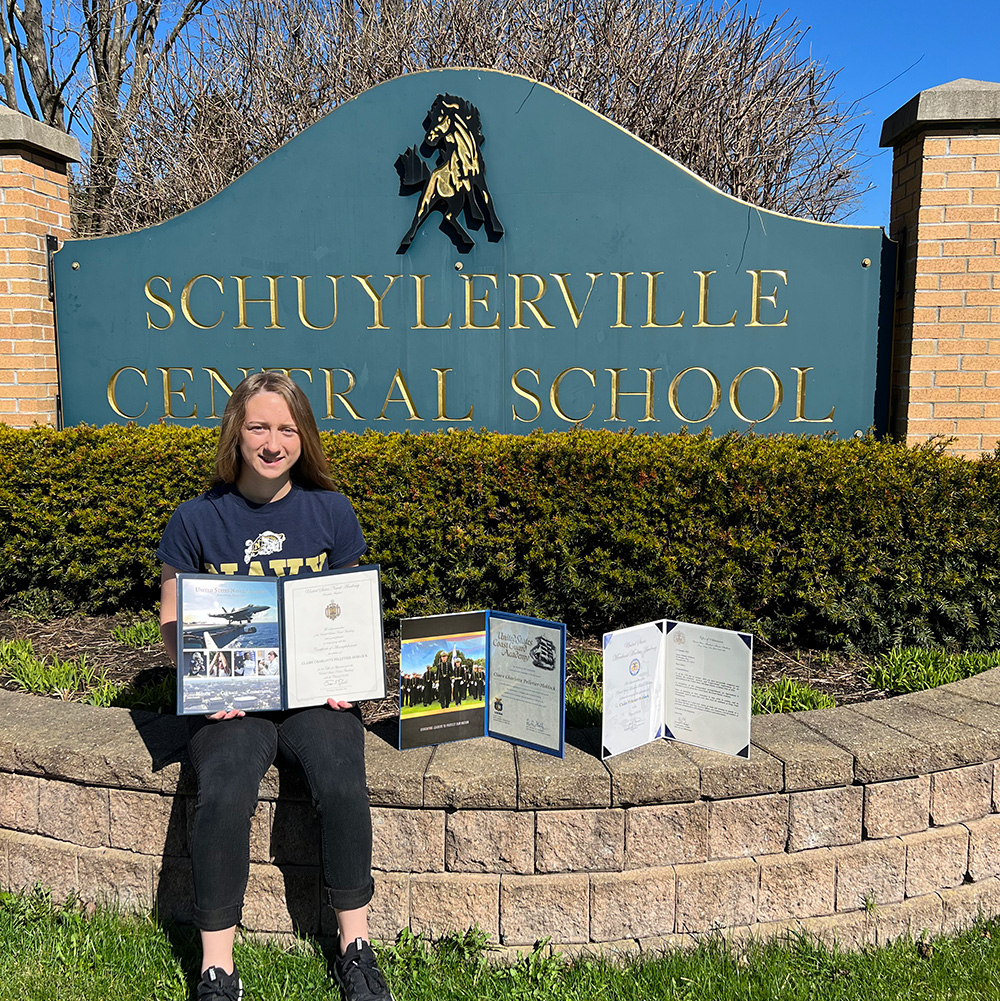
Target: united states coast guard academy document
[[680, 681]]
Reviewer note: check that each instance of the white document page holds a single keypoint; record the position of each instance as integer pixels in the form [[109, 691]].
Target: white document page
[[708, 691], [333, 638], [633, 687]]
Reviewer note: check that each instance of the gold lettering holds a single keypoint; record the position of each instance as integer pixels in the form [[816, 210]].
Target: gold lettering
[[186, 302], [213, 378], [288, 371], [520, 302], [316, 563], [616, 393], [442, 375], [113, 385], [756, 299], [734, 394], [703, 277], [471, 302], [554, 394], [300, 281], [230, 569], [162, 303], [800, 400], [247, 371], [651, 277], [342, 397], [622, 277], [169, 392], [674, 386], [378, 301], [398, 380], [255, 569], [575, 315], [422, 324], [242, 300], [525, 394]]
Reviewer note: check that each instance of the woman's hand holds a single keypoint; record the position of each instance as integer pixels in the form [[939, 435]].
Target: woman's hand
[[231, 714], [339, 704]]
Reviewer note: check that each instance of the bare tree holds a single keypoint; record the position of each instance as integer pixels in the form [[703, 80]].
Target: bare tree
[[730, 95]]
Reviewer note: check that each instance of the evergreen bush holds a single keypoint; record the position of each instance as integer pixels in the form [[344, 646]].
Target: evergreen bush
[[804, 540]]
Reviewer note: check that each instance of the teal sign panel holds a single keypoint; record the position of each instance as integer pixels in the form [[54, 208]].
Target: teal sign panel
[[465, 248]]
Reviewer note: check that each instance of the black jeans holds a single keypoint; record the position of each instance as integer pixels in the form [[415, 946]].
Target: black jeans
[[230, 758]]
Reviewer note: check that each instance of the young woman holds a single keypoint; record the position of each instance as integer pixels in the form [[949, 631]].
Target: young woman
[[272, 509]]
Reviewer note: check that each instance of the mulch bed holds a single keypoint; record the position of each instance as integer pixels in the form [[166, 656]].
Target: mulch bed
[[837, 674]]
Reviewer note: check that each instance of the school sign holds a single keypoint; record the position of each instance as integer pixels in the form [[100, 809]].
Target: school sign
[[465, 248]]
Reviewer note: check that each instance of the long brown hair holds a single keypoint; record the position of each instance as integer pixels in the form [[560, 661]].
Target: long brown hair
[[312, 468]]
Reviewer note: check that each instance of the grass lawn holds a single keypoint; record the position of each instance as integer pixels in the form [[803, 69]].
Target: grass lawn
[[58, 953]]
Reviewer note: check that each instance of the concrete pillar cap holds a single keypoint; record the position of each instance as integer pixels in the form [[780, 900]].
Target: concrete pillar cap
[[964, 103], [19, 131]]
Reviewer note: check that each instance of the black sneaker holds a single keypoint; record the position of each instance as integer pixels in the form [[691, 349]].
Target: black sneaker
[[358, 974], [217, 985]]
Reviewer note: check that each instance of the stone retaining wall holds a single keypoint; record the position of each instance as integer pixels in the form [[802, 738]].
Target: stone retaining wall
[[860, 824]]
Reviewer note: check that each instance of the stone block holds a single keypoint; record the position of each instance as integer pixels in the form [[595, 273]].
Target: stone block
[[936, 859], [724, 776], [938, 742], [285, 831], [810, 760], [395, 778], [984, 687], [19, 802], [750, 825], [579, 840], [470, 774], [844, 931], [963, 906], [916, 918], [536, 907], [632, 905], [961, 794], [899, 806], [996, 786], [283, 900], [621, 951], [173, 890], [73, 813], [871, 873], [715, 895], [453, 902], [489, 841], [654, 773], [119, 879], [407, 840], [664, 945], [578, 780], [984, 847], [148, 822], [796, 886], [879, 751], [389, 910], [824, 817], [34, 859], [666, 835], [946, 701]]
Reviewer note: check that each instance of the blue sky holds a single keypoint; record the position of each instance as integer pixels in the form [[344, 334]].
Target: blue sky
[[888, 51]]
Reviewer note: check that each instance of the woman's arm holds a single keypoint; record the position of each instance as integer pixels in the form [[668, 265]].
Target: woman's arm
[[168, 610]]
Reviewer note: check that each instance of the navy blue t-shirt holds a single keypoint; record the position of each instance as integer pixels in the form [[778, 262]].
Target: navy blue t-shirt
[[220, 531]]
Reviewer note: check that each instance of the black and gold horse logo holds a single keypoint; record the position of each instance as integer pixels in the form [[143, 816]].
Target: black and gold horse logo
[[458, 183]]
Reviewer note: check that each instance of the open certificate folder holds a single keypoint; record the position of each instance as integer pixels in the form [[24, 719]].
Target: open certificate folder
[[680, 681], [270, 643]]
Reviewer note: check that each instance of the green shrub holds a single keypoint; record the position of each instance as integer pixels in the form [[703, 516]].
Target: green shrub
[[786, 695], [912, 669], [141, 633], [807, 541]]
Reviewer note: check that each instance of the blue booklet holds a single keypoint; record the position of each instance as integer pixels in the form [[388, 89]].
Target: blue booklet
[[466, 674]]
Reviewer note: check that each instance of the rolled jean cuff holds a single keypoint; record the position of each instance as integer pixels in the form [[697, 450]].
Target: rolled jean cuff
[[349, 900], [218, 919]]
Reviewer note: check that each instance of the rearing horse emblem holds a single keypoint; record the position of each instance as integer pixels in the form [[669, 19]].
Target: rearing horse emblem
[[458, 183]]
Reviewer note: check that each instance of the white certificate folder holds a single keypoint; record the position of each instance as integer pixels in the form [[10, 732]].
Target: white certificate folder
[[680, 681], [466, 674], [270, 643]]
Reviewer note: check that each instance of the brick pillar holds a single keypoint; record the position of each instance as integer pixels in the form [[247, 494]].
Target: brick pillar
[[34, 202], [946, 217]]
